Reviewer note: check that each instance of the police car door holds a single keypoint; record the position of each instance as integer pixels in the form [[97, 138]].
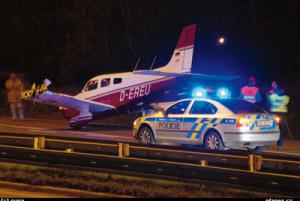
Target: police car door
[[170, 127], [199, 118]]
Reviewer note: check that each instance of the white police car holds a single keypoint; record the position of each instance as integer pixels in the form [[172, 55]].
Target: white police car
[[217, 125]]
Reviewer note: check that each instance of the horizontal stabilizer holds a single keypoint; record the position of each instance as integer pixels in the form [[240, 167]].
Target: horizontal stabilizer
[[42, 95]]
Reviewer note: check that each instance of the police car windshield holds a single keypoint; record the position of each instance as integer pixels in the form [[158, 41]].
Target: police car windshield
[[241, 106]]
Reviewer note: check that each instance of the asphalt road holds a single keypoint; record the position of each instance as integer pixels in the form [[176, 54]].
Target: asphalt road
[[59, 127]]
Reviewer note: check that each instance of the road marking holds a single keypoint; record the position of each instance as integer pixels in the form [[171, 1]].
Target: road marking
[[43, 131], [284, 153], [13, 126], [95, 134], [46, 131], [86, 134]]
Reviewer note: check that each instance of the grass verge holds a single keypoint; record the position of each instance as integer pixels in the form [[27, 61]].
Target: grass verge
[[114, 183]]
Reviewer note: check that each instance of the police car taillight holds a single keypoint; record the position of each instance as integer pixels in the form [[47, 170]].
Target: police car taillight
[[242, 122], [277, 119]]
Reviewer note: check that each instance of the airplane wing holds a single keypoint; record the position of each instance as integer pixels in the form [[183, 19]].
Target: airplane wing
[[42, 95], [194, 75]]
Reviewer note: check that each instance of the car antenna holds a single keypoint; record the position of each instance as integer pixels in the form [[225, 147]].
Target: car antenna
[[137, 63], [153, 62]]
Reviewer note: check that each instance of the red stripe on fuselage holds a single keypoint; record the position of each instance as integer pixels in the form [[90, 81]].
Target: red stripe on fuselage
[[130, 94]]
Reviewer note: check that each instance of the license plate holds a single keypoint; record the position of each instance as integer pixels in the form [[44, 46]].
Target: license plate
[[266, 123]]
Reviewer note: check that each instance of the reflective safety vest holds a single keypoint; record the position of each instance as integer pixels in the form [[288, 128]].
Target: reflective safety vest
[[249, 93], [279, 103]]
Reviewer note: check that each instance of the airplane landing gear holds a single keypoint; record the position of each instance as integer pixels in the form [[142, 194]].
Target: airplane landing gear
[[82, 119]]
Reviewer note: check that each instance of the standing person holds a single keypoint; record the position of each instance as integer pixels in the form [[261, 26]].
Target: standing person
[[251, 92], [14, 87], [274, 87], [278, 104]]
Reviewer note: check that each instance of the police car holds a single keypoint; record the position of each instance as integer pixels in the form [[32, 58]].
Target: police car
[[217, 125]]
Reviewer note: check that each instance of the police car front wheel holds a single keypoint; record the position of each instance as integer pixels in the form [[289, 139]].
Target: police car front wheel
[[213, 141], [145, 135]]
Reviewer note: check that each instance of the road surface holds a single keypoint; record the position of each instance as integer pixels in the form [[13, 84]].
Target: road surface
[[60, 127]]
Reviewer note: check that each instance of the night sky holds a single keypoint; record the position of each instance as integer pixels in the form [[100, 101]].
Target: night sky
[[70, 41]]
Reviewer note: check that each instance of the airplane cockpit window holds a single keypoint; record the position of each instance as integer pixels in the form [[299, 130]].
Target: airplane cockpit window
[[105, 82], [117, 80], [91, 85]]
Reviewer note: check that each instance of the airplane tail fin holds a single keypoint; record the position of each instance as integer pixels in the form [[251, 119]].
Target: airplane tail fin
[[181, 61]]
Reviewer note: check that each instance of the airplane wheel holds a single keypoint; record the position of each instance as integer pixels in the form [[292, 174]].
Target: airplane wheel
[[145, 136], [76, 126], [213, 141]]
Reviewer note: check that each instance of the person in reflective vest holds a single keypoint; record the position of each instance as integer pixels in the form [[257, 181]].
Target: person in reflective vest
[[251, 92], [278, 101], [278, 104]]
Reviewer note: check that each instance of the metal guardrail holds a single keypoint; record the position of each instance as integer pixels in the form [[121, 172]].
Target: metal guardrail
[[17, 140], [238, 161], [238, 168], [208, 158], [122, 162]]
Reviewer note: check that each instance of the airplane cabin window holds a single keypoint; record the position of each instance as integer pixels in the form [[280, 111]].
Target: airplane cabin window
[[117, 80], [105, 82], [91, 85]]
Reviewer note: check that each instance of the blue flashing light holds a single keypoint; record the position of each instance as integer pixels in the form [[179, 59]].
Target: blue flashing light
[[223, 93], [199, 93]]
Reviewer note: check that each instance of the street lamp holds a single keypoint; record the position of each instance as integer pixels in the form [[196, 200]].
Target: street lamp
[[221, 41]]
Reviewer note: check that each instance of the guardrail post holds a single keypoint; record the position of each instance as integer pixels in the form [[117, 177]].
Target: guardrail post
[[36, 143], [41, 142], [251, 162], [203, 163], [126, 150], [120, 145], [258, 162]]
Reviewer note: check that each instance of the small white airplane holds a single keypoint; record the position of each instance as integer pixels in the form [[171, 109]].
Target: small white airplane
[[107, 94]]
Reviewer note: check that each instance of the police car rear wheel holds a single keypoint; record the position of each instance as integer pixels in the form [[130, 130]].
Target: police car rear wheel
[[213, 142], [145, 136]]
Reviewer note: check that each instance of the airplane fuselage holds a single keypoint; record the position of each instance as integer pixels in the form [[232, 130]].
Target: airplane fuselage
[[132, 87], [123, 90]]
